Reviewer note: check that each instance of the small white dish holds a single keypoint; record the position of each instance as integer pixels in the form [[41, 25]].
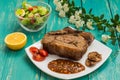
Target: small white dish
[[95, 46]]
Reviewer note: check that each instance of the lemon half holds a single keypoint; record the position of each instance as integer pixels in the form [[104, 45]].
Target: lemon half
[[16, 40]]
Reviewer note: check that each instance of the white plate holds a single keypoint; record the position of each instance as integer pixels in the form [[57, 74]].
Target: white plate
[[95, 46]]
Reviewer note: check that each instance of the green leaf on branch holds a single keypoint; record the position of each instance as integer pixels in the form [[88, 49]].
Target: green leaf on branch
[[116, 17], [108, 25], [77, 8], [119, 39], [100, 27], [87, 16], [102, 16], [112, 31], [115, 21], [112, 20], [104, 21], [113, 40], [112, 35], [90, 11], [73, 4], [83, 11], [96, 19]]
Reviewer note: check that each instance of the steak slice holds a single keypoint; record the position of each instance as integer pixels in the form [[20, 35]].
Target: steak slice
[[67, 43]]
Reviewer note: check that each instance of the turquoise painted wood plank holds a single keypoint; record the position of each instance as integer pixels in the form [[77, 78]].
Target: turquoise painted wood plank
[[115, 8], [3, 32], [98, 7], [108, 68], [2, 55], [16, 63]]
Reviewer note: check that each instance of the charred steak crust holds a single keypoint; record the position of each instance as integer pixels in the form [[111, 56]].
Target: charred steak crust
[[67, 43]]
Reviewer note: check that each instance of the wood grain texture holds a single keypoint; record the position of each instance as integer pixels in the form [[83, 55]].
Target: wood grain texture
[[108, 70], [15, 65]]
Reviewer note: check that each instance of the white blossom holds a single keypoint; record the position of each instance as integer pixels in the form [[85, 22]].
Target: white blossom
[[58, 6], [80, 11], [72, 19], [77, 13], [77, 17], [65, 5], [61, 1], [66, 9], [79, 23], [83, 22], [118, 28], [55, 2], [62, 13], [105, 37], [89, 25]]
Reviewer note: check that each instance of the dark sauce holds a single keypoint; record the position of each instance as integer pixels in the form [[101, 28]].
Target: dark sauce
[[65, 66]]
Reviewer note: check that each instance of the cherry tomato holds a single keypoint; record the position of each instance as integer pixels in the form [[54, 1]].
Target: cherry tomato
[[34, 50], [38, 57], [38, 54], [43, 53], [30, 9]]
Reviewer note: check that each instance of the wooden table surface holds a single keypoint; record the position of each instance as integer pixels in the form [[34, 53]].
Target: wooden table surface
[[15, 65]]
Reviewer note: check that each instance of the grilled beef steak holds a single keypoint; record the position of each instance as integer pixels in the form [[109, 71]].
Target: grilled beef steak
[[67, 43]]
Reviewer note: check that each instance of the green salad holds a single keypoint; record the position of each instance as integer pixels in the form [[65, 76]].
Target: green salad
[[30, 16]]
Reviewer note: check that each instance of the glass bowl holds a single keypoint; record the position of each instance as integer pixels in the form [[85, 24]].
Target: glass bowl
[[34, 24]]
